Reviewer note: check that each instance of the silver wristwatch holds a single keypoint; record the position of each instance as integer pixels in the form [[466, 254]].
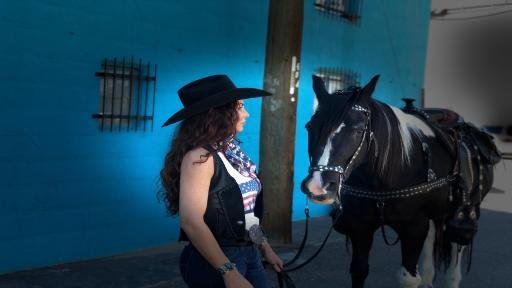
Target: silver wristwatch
[[228, 266]]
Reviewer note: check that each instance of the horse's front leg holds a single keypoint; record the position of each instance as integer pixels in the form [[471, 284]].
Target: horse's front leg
[[361, 245], [427, 267], [453, 273], [412, 236]]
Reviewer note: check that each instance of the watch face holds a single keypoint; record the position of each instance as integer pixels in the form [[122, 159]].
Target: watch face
[[256, 234]]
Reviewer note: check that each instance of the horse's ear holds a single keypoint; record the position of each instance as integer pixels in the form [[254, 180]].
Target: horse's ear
[[367, 91], [319, 88]]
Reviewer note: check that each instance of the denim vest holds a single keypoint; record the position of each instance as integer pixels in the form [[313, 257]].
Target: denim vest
[[224, 213]]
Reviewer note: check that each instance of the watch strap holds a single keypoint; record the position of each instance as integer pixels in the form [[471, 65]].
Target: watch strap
[[228, 266]]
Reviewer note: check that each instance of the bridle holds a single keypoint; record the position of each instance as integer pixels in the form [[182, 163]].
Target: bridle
[[340, 169]]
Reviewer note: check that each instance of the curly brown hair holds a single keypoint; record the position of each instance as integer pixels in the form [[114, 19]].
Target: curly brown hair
[[212, 127]]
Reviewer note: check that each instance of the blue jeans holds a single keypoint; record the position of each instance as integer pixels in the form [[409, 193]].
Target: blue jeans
[[198, 273]]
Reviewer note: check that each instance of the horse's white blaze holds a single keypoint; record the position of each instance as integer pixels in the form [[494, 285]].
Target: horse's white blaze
[[454, 275], [339, 128], [406, 280], [324, 160], [315, 185], [427, 269], [410, 124]]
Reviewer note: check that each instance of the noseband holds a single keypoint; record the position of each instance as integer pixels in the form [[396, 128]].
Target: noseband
[[339, 168]]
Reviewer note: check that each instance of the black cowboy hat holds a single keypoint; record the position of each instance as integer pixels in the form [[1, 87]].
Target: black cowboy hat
[[212, 91]]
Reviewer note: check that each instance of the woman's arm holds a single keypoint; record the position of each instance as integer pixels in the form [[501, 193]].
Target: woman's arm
[[270, 256], [194, 185]]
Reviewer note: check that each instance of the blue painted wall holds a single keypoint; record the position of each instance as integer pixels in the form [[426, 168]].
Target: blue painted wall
[[69, 192]]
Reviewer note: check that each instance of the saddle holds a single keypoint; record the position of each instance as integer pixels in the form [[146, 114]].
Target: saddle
[[444, 117], [468, 146], [450, 128]]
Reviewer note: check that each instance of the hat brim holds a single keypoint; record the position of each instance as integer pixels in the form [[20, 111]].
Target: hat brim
[[216, 100]]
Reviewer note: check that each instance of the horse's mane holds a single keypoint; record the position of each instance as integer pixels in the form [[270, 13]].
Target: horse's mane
[[391, 156]]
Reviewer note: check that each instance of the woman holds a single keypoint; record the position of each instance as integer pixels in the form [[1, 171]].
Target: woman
[[213, 186]]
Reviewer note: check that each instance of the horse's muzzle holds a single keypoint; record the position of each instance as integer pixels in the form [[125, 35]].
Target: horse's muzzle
[[321, 198], [327, 198], [304, 187]]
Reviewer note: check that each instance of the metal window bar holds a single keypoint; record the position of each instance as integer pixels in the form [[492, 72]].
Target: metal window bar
[[103, 98], [139, 84], [347, 10], [130, 93], [146, 98], [154, 100], [113, 98], [122, 97], [122, 91], [336, 79]]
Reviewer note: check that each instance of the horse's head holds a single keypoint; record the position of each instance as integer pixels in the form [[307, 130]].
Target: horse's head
[[339, 135]]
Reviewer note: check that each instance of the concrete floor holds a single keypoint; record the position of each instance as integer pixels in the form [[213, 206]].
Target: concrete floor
[[492, 260]]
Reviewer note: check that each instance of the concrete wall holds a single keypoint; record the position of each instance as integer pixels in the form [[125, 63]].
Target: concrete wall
[[469, 64], [468, 70]]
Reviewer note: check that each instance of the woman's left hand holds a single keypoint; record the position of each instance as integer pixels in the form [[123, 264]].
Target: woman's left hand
[[271, 257]]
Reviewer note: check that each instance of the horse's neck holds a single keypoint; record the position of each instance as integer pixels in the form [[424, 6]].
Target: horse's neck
[[396, 163]]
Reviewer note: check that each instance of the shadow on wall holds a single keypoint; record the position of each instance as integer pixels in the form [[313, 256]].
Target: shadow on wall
[[484, 52]]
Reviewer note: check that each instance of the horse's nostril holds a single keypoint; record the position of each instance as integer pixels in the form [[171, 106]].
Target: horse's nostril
[[331, 186], [303, 185]]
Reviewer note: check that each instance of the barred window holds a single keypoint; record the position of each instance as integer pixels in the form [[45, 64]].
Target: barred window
[[336, 79], [348, 10], [127, 95]]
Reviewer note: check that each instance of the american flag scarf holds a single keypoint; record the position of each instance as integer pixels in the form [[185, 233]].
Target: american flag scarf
[[241, 162]]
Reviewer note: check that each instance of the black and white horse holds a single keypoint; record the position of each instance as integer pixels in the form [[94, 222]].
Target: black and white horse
[[369, 158]]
